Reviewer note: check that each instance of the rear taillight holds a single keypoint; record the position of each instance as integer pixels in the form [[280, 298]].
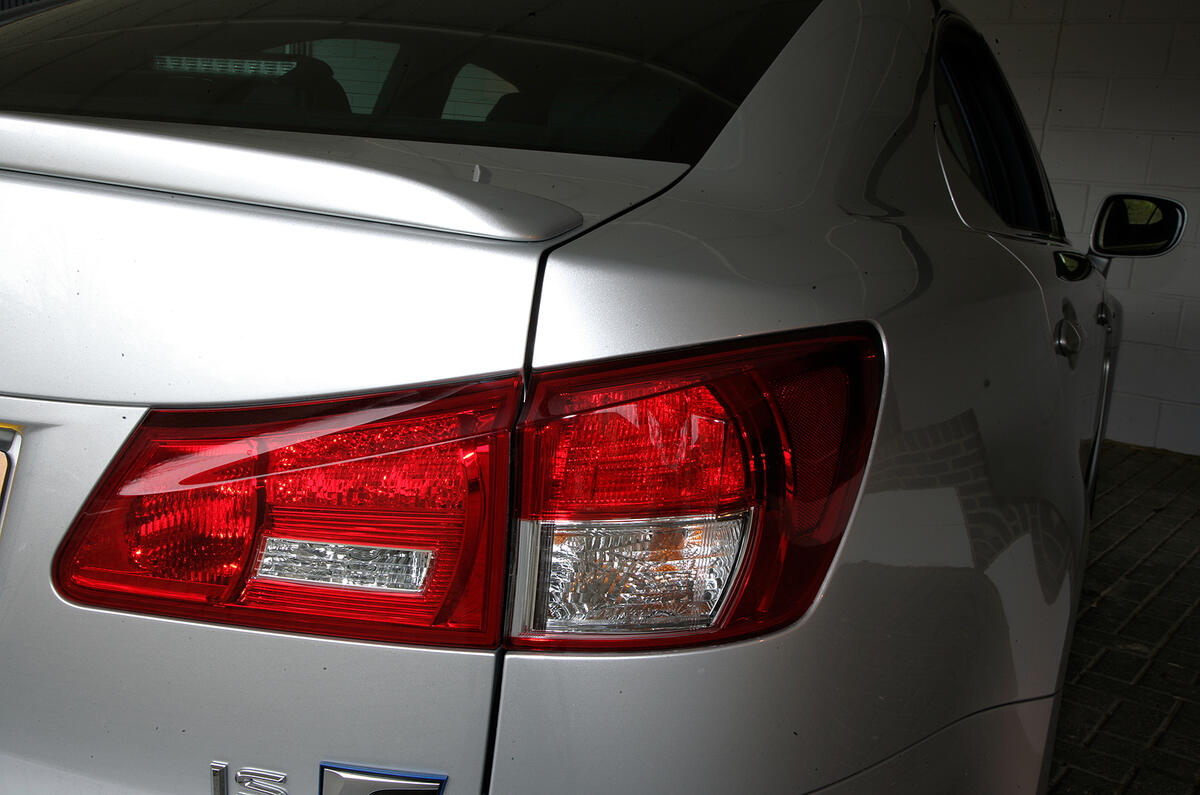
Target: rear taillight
[[663, 501], [378, 518], [690, 499]]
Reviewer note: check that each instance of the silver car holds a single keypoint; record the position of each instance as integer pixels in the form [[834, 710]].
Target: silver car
[[548, 397]]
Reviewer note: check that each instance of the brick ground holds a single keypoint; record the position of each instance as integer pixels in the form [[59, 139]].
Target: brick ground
[[1130, 717]]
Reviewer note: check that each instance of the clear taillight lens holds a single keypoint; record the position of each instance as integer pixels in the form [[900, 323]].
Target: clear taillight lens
[[381, 517], [701, 497], [637, 575]]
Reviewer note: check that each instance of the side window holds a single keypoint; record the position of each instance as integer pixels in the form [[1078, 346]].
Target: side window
[[985, 130]]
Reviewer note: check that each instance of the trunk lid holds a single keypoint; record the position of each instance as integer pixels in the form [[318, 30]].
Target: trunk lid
[[299, 264]]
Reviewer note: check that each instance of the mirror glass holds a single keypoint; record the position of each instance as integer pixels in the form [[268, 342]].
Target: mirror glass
[[1072, 267], [1137, 226]]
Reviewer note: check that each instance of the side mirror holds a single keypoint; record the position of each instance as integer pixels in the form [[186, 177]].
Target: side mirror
[[1137, 226]]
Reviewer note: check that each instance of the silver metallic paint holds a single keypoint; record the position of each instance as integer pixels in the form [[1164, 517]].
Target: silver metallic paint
[[953, 592], [159, 298], [321, 174], [95, 701], [166, 300], [821, 202], [995, 751]]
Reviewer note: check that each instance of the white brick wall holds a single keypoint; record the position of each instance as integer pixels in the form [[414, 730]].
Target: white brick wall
[[1111, 91]]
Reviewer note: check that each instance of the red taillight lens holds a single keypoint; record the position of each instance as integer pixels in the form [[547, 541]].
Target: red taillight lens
[[669, 501], [673, 451], [664, 501], [378, 518]]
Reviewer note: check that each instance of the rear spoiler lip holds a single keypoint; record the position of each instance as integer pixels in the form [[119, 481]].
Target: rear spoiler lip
[[275, 169]]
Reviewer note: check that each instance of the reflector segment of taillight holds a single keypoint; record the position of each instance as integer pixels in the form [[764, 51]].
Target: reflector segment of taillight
[[380, 517], [690, 498]]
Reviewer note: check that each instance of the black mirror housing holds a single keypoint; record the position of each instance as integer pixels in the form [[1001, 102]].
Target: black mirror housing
[[1130, 225]]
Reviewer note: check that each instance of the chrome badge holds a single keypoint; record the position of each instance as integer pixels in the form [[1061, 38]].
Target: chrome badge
[[343, 780], [250, 780]]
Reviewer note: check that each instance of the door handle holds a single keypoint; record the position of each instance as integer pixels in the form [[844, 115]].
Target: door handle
[[1068, 334], [1068, 338]]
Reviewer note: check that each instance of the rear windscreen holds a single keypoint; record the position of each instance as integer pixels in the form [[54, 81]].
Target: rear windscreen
[[632, 78]]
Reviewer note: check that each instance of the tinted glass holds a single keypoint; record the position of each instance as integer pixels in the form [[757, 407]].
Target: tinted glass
[[987, 134], [644, 78]]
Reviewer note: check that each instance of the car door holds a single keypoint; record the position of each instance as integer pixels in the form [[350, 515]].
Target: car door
[[1000, 188]]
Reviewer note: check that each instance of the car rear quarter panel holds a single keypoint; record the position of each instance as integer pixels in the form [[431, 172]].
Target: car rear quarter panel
[[823, 202]]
